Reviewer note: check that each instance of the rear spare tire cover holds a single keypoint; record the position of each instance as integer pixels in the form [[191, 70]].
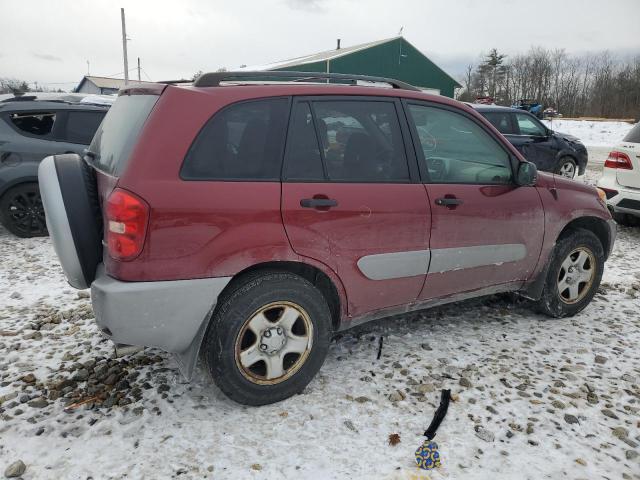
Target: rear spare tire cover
[[72, 211]]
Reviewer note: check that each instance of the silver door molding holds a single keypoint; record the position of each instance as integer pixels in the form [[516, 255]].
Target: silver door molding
[[386, 266], [450, 259]]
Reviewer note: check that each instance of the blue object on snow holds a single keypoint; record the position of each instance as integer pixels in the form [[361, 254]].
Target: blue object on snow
[[427, 455]]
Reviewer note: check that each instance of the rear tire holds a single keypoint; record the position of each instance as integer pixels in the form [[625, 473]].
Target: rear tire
[[574, 274], [268, 338], [567, 168], [21, 211]]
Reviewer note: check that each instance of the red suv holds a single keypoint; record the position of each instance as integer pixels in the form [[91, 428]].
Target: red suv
[[248, 220]]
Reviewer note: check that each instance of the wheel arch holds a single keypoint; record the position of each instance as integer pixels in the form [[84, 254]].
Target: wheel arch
[[594, 224], [599, 227], [16, 182], [323, 282]]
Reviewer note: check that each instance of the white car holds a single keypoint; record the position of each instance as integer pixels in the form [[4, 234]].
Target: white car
[[621, 179]]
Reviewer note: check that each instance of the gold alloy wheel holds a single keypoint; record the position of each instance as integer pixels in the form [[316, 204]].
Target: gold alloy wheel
[[274, 343], [576, 275]]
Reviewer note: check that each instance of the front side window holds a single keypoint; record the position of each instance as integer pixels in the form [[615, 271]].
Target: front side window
[[34, 123], [501, 121], [241, 142], [361, 141], [457, 150], [528, 126], [81, 126]]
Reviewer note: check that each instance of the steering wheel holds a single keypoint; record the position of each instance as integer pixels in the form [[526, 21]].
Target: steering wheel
[[438, 167]]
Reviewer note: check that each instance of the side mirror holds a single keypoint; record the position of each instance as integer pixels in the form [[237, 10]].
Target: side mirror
[[527, 174]]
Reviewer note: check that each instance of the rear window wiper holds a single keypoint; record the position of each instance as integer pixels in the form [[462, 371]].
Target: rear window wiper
[[90, 156]]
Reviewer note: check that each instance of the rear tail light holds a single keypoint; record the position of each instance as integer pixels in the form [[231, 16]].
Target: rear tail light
[[618, 160], [127, 217]]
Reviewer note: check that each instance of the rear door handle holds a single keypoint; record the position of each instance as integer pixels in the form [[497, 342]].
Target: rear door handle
[[448, 202], [318, 203]]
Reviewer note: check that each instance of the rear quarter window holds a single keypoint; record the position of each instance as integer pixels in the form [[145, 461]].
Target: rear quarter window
[[37, 124], [117, 135], [243, 141]]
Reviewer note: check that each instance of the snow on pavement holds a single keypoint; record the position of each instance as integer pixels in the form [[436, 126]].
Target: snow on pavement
[[592, 133], [537, 397]]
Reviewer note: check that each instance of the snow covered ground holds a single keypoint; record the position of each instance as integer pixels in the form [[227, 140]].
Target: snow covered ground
[[537, 398], [592, 133]]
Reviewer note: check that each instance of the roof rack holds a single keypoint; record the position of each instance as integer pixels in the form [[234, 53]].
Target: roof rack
[[213, 79], [175, 82]]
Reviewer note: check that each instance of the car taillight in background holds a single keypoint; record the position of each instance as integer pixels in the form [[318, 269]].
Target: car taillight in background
[[127, 216], [618, 160]]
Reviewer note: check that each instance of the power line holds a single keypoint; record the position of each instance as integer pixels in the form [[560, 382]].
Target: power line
[[146, 74]]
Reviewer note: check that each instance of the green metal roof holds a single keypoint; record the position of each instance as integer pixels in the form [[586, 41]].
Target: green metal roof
[[317, 61]]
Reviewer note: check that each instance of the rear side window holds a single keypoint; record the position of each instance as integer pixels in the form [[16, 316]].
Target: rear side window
[[502, 121], [361, 141], [81, 126], [115, 138], [39, 124], [303, 161], [634, 135], [242, 142]]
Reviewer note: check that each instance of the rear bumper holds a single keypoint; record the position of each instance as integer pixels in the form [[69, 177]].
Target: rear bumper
[[627, 200], [170, 315]]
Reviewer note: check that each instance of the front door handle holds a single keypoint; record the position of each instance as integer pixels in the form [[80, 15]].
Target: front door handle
[[448, 202], [325, 203]]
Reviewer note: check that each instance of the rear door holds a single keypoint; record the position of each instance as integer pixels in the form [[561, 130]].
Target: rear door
[[29, 137], [631, 147], [351, 198], [486, 231]]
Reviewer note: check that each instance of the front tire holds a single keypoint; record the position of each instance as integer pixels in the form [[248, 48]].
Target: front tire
[[574, 274], [567, 168], [268, 338], [21, 211]]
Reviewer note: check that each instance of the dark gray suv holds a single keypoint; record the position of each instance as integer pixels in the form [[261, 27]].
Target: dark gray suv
[[551, 151], [32, 128]]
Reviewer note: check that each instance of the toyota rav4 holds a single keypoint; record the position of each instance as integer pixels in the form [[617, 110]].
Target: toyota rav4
[[247, 219]]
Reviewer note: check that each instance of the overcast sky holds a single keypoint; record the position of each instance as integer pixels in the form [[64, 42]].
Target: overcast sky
[[51, 41]]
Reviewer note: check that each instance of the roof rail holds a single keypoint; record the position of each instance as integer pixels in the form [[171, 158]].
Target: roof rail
[[213, 79], [175, 82]]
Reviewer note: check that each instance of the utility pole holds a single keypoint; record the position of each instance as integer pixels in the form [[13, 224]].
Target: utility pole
[[124, 48], [139, 79], [88, 69]]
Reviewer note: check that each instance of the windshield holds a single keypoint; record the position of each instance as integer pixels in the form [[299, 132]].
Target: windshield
[[113, 142], [634, 135]]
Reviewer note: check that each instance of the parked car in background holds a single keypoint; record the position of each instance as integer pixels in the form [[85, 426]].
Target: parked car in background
[[530, 106], [31, 128], [621, 179], [551, 151], [272, 215]]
